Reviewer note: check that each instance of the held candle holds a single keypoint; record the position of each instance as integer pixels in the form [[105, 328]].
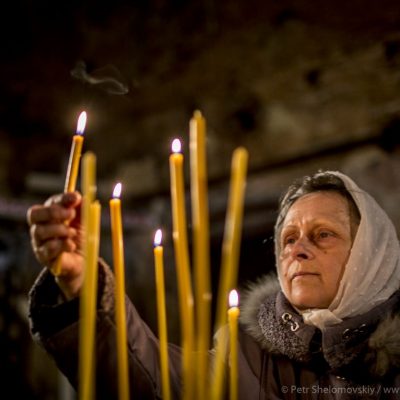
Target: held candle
[[162, 318], [75, 155], [72, 172], [182, 265], [230, 254], [201, 251], [119, 272], [233, 316]]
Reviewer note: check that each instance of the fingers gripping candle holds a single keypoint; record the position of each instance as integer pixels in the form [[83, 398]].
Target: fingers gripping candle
[[72, 172]]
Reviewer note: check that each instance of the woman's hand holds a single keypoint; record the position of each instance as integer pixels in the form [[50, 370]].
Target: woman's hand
[[55, 231]]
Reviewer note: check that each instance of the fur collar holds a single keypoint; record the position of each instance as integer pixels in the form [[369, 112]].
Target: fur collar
[[254, 295], [372, 339]]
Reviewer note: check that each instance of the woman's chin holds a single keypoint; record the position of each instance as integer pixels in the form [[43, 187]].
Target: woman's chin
[[306, 302]]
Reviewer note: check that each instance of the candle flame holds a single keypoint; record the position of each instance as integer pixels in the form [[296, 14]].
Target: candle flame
[[81, 123], [176, 146], [117, 190], [158, 237], [233, 298]]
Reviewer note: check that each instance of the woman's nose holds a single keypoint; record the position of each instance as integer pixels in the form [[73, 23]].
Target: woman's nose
[[301, 249]]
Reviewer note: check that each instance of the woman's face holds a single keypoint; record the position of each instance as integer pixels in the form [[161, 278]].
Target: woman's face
[[315, 245]]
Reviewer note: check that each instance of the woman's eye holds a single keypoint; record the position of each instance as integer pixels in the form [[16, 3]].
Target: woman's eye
[[289, 240], [324, 234]]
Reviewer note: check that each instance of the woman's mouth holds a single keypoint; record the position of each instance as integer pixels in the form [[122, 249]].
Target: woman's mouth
[[300, 275]]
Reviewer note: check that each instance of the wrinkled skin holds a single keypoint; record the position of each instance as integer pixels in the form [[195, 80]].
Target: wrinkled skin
[[55, 231], [315, 246]]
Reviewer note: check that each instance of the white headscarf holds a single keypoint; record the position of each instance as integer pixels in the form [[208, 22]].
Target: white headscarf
[[372, 272]]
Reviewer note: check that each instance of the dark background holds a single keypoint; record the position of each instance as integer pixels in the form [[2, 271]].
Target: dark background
[[303, 85]]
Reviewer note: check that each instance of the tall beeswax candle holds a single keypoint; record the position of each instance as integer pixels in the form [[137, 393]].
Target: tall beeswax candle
[[119, 271], [201, 249], [72, 172], [183, 269], [161, 315]]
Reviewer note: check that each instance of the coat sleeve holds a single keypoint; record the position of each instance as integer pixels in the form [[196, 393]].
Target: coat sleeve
[[55, 325]]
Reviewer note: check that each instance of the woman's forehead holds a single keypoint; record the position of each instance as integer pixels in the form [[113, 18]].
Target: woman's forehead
[[316, 205]]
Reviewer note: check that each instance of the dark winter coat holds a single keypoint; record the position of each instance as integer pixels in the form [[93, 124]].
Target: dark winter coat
[[279, 356], [356, 359]]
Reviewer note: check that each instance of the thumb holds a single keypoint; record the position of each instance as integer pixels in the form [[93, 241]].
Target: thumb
[[70, 199]]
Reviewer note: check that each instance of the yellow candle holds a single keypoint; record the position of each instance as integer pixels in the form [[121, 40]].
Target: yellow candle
[[75, 155], [183, 270], [230, 255], [72, 172], [201, 248], [119, 271], [91, 211], [162, 318], [233, 316]]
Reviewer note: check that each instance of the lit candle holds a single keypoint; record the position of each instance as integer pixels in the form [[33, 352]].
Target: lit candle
[[183, 269], [201, 248], [230, 254], [119, 271], [72, 172], [162, 319], [75, 155], [233, 316], [91, 212]]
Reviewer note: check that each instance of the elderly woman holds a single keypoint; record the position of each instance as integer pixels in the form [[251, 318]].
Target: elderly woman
[[328, 327]]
